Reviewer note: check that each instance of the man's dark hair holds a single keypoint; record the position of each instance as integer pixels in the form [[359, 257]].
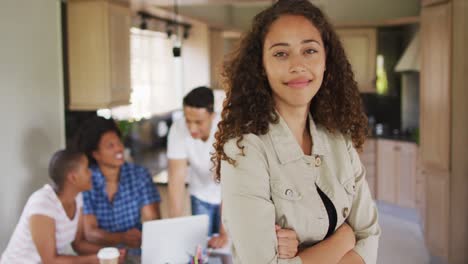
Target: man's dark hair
[[90, 133], [200, 97], [61, 163]]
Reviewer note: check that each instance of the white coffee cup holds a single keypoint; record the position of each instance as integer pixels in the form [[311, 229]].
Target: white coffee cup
[[108, 255]]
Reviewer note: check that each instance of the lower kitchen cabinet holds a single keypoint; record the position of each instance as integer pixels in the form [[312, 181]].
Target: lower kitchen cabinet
[[396, 172], [368, 159], [437, 216], [421, 176]]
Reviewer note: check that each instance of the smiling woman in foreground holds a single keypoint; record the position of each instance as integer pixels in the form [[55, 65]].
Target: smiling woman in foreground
[[286, 145]]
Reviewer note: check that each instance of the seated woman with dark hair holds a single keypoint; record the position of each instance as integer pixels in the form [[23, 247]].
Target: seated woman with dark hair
[[51, 219], [123, 194]]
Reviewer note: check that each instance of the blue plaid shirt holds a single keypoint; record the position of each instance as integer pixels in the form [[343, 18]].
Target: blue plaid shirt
[[136, 189]]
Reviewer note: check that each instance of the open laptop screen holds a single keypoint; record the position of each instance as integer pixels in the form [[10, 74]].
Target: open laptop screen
[[173, 240]]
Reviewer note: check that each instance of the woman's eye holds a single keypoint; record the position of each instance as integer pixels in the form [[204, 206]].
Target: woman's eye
[[310, 51], [280, 54]]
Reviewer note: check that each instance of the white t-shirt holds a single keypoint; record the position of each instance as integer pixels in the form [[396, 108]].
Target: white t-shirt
[[201, 179], [21, 248]]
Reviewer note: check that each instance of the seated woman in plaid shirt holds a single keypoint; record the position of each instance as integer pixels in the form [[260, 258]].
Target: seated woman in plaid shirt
[[123, 194]]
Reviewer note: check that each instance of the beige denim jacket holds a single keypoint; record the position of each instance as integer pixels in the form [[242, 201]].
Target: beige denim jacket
[[276, 183]]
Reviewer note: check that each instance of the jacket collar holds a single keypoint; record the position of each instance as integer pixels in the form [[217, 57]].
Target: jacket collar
[[286, 147]]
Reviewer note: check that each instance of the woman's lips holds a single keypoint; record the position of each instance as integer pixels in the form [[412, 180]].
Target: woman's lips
[[301, 83]]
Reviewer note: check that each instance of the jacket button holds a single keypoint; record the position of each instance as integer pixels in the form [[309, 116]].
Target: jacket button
[[288, 192], [345, 212], [318, 161]]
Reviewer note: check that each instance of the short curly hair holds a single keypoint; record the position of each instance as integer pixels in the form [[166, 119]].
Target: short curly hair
[[249, 106], [90, 133]]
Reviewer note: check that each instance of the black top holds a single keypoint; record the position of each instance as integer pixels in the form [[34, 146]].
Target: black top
[[330, 210]]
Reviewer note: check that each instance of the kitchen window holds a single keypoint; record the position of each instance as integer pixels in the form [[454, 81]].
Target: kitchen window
[[156, 77]]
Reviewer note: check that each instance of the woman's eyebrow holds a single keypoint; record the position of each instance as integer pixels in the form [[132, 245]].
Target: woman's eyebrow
[[287, 44]]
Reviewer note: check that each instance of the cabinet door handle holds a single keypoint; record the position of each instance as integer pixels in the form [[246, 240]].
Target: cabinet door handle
[[396, 148]]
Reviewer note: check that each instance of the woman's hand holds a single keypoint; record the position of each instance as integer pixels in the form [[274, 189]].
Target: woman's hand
[[287, 242]]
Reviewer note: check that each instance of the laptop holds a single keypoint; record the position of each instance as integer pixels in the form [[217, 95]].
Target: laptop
[[173, 241]]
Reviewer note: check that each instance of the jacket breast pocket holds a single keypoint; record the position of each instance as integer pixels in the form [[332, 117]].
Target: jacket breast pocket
[[285, 191], [350, 188], [287, 200]]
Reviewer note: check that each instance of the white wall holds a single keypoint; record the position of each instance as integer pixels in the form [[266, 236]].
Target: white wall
[[31, 101]]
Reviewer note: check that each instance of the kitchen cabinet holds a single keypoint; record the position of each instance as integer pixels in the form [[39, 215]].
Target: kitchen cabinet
[[435, 123], [421, 192], [444, 126], [368, 159], [407, 164], [435, 83], [396, 172], [436, 228], [386, 171], [98, 38], [360, 45]]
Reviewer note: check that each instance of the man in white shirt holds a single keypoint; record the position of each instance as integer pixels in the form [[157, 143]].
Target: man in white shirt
[[190, 143]]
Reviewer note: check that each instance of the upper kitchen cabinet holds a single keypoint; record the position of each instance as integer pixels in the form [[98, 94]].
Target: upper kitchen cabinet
[[98, 53], [435, 86], [360, 45]]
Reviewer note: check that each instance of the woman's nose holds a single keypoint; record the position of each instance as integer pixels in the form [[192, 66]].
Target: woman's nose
[[297, 64]]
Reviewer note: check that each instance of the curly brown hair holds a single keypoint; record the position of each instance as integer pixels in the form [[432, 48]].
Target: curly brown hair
[[249, 107]]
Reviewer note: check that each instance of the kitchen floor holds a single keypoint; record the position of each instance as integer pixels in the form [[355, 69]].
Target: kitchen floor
[[402, 239]]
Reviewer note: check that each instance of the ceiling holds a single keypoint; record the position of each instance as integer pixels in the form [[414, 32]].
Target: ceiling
[[238, 14], [205, 2]]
